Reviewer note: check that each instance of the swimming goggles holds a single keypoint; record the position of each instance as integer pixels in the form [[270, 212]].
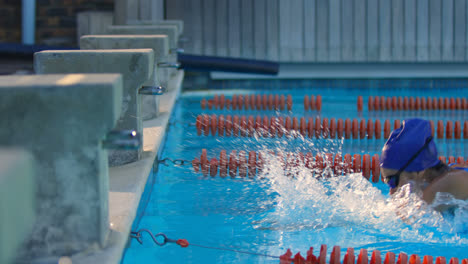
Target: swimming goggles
[[394, 179]]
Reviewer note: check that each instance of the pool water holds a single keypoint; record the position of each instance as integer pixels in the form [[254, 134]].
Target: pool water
[[272, 212]]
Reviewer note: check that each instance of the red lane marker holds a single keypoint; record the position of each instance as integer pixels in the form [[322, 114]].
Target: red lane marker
[[394, 103], [397, 124], [376, 103], [376, 258], [412, 103], [362, 258], [406, 105], [382, 103], [240, 102], [440, 129], [339, 128], [289, 102], [295, 125], [277, 102], [446, 103], [378, 129], [442, 105], [402, 258], [347, 164], [213, 167], [335, 256], [441, 260], [362, 129], [347, 128], [312, 102], [432, 127], [203, 103], [366, 166], [387, 129], [443, 159], [375, 168], [370, 103], [232, 169], [449, 130], [453, 104], [349, 257], [332, 128], [323, 254], [325, 129], [318, 127], [243, 126], [306, 103], [234, 102], [303, 127], [423, 103], [196, 164], [222, 100], [458, 103], [247, 102], [273, 126], [198, 125], [280, 126], [465, 129], [356, 163], [319, 166], [389, 103], [414, 259], [318, 103], [242, 164], [428, 260], [359, 103], [221, 125], [235, 126], [251, 126], [288, 126], [206, 125], [338, 165], [400, 103], [310, 127], [461, 161], [214, 124], [430, 105], [282, 102], [417, 103], [223, 163], [205, 166], [252, 164], [228, 125], [389, 258], [451, 159]]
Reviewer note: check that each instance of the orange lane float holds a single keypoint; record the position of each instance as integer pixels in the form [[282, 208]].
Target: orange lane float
[[313, 102], [248, 102], [362, 258], [251, 163], [247, 126], [380, 103]]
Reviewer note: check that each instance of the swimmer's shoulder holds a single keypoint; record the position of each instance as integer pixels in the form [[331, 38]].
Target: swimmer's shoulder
[[454, 182]]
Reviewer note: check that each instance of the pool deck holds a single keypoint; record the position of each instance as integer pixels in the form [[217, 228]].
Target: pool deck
[[127, 182]]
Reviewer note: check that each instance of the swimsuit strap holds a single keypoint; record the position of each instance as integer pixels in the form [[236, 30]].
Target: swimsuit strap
[[458, 168]]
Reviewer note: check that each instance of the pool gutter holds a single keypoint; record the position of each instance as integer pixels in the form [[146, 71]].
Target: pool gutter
[[127, 182]]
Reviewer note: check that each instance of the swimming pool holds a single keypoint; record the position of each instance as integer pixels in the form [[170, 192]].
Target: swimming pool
[[272, 212]]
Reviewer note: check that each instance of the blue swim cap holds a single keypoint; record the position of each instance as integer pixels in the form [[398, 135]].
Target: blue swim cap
[[406, 141]]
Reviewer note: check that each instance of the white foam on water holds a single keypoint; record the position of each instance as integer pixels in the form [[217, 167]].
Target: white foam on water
[[305, 202]]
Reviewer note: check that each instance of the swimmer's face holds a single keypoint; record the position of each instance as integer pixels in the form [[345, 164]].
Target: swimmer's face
[[404, 177]]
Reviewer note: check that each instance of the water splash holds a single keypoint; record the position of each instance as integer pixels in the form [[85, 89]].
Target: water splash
[[306, 201]]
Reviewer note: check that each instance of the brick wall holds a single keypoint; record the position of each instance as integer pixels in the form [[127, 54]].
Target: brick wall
[[55, 19], [10, 20]]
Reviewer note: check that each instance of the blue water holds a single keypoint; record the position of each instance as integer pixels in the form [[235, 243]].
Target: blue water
[[272, 213]]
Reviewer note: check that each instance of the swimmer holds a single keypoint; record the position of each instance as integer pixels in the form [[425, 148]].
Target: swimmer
[[410, 157]]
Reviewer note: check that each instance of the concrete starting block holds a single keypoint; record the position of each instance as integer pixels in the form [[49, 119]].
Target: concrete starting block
[[17, 208], [178, 23], [170, 30], [62, 120], [159, 44], [136, 67]]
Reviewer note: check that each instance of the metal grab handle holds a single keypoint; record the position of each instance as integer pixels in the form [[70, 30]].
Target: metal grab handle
[[122, 139], [152, 90], [169, 65], [176, 50]]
